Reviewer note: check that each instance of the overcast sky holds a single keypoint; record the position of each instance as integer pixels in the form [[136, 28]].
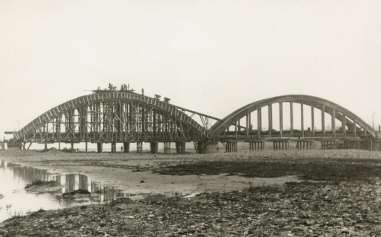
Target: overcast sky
[[210, 56]]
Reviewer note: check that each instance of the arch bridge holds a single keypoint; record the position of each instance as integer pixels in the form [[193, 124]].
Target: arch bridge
[[111, 116], [301, 119]]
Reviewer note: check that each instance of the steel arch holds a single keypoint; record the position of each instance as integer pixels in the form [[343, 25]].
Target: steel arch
[[218, 128]]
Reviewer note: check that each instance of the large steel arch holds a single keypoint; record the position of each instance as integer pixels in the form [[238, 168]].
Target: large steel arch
[[349, 119], [112, 116]]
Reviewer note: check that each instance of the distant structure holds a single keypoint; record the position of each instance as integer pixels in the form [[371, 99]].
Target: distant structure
[[123, 116]]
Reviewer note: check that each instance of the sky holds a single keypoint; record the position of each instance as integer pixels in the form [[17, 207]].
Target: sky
[[209, 56]]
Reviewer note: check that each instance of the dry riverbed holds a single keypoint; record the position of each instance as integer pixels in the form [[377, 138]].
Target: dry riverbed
[[333, 193]]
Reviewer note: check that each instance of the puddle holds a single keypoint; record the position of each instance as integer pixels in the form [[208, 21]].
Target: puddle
[[14, 200]]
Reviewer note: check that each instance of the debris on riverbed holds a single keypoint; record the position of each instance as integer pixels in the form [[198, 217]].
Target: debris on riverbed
[[80, 193], [78, 196], [319, 170], [296, 209], [40, 186]]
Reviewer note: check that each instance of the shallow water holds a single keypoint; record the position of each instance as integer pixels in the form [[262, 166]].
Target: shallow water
[[135, 185], [16, 201]]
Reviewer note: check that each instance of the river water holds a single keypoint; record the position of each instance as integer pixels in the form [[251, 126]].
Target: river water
[[14, 200]]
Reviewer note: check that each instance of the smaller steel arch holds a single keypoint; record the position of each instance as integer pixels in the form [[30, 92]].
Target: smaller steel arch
[[317, 102]]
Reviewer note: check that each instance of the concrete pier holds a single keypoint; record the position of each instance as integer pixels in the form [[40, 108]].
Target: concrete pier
[[231, 146], [99, 147], [167, 147], [113, 147], [126, 147], [154, 147], [304, 144], [281, 144], [256, 145], [139, 147], [180, 147], [328, 144]]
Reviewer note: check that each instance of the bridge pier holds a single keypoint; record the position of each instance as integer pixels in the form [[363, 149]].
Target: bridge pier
[[45, 146], [113, 147], [371, 145], [303, 145], [281, 144], [72, 146], [204, 147], [126, 147], [167, 147], [328, 144], [231, 146], [180, 147], [99, 147], [154, 147], [352, 144], [139, 147], [86, 147], [257, 145]]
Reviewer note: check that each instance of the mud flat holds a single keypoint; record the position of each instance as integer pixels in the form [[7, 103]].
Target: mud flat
[[296, 209], [315, 193], [145, 173]]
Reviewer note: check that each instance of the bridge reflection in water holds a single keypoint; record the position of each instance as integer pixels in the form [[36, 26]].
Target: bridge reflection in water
[[69, 182]]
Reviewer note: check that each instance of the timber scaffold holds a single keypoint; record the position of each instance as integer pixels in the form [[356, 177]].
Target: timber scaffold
[[114, 117]]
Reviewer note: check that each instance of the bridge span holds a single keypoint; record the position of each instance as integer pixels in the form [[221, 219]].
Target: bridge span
[[125, 117], [329, 124]]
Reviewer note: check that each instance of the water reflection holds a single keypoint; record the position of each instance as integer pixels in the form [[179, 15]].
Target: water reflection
[[16, 201]]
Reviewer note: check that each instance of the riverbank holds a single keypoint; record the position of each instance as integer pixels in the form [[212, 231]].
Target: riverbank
[[296, 209], [331, 193]]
